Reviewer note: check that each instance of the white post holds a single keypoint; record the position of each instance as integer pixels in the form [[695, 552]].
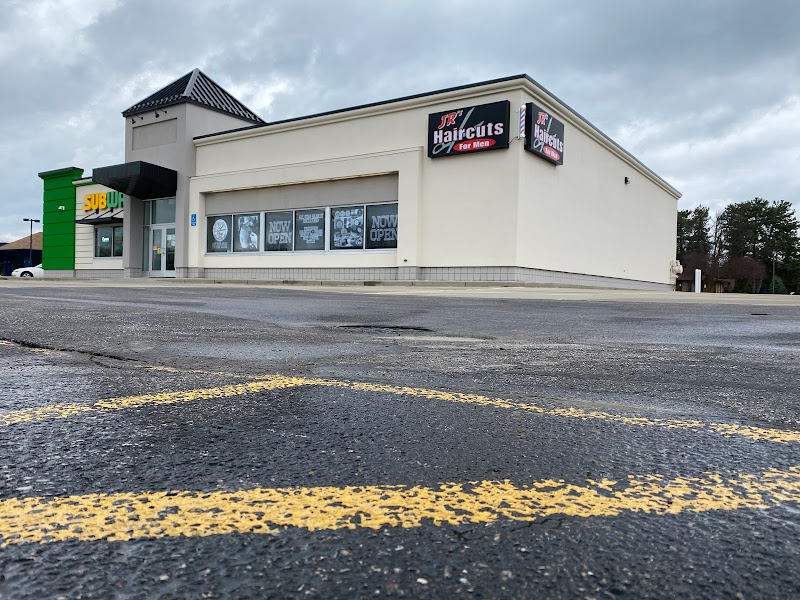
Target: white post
[[697, 281]]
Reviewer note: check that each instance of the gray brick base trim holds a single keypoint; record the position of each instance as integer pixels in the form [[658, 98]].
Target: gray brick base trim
[[498, 275], [536, 276], [189, 272], [99, 273], [59, 274], [360, 274], [406, 273]]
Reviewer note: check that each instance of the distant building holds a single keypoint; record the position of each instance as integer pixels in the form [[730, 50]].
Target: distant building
[[685, 283], [17, 253]]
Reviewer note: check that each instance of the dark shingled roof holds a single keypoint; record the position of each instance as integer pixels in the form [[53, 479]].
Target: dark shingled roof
[[196, 88]]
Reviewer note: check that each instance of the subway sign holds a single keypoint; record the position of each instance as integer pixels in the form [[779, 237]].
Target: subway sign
[[469, 129], [544, 134], [103, 200]]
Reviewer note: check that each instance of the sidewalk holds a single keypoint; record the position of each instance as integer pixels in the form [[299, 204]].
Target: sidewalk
[[465, 289]]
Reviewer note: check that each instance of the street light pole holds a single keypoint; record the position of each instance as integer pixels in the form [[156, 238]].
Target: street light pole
[[30, 241]]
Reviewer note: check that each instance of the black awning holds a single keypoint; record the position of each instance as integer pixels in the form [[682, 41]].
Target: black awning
[[139, 179]]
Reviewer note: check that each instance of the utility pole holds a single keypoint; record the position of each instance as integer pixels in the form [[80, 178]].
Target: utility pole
[[30, 241], [773, 272]]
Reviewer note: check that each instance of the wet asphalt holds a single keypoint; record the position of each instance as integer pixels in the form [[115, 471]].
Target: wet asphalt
[[709, 362]]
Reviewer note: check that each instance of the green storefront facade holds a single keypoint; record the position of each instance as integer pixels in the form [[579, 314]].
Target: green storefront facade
[[58, 219]]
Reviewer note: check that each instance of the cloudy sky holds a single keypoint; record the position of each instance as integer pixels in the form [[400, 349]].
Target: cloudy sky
[[704, 92]]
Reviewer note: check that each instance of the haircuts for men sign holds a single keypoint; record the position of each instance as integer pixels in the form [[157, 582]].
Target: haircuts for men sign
[[468, 130], [545, 134]]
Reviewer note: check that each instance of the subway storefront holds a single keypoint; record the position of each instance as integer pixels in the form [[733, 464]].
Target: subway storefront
[[496, 181]]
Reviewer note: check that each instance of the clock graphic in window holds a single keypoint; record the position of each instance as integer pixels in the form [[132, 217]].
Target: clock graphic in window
[[220, 230]]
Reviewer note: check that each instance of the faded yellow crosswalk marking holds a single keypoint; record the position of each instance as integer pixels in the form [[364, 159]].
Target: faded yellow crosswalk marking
[[45, 351], [728, 429], [272, 382], [129, 516], [66, 410]]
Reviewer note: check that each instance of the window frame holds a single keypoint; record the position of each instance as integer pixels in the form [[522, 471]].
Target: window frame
[[111, 243], [327, 220]]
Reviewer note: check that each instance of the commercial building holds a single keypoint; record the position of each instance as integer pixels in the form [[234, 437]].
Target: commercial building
[[496, 181], [24, 252]]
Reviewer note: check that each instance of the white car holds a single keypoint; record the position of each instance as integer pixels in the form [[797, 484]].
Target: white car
[[36, 271]]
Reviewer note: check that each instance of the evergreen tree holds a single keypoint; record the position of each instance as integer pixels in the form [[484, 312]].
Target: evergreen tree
[[684, 217], [760, 230], [776, 286], [764, 233], [693, 233], [698, 241]]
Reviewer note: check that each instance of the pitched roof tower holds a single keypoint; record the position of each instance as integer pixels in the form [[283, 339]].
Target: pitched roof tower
[[195, 88]]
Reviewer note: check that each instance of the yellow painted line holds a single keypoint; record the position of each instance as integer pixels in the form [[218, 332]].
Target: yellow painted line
[[229, 374], [67, 410], [45, 351], [269, 382], [128, 516], [726, 429]]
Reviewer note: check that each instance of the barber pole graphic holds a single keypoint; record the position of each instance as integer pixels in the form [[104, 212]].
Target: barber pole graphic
[[522, 122]]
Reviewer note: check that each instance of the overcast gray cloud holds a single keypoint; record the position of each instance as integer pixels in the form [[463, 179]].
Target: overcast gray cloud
[[705, 92]]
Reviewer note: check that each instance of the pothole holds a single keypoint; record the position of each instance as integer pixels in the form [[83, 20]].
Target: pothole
[[387, 327]]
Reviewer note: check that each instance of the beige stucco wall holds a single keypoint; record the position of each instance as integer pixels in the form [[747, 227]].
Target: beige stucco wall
[[496, 208], [341, 192], [443, 217], [84, 233], [405, 162], [581, 217]]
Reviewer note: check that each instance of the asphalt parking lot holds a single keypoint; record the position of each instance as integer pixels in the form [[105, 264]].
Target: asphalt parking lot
[[162, 440]]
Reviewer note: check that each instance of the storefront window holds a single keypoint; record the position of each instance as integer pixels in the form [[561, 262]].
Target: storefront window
[[163, 211], [278, 230], [309, 229], [146, 248], [102, 241], [382, 226], [248, 233], [347, 228], [117, 241], [219, 235], [108, 241], [357, 227]]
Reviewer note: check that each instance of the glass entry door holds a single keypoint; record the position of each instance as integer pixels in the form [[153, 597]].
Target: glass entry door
[[162, 251]]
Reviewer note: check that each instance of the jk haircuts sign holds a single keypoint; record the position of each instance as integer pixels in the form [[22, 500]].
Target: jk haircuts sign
[[468, 130], [544, 134]]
